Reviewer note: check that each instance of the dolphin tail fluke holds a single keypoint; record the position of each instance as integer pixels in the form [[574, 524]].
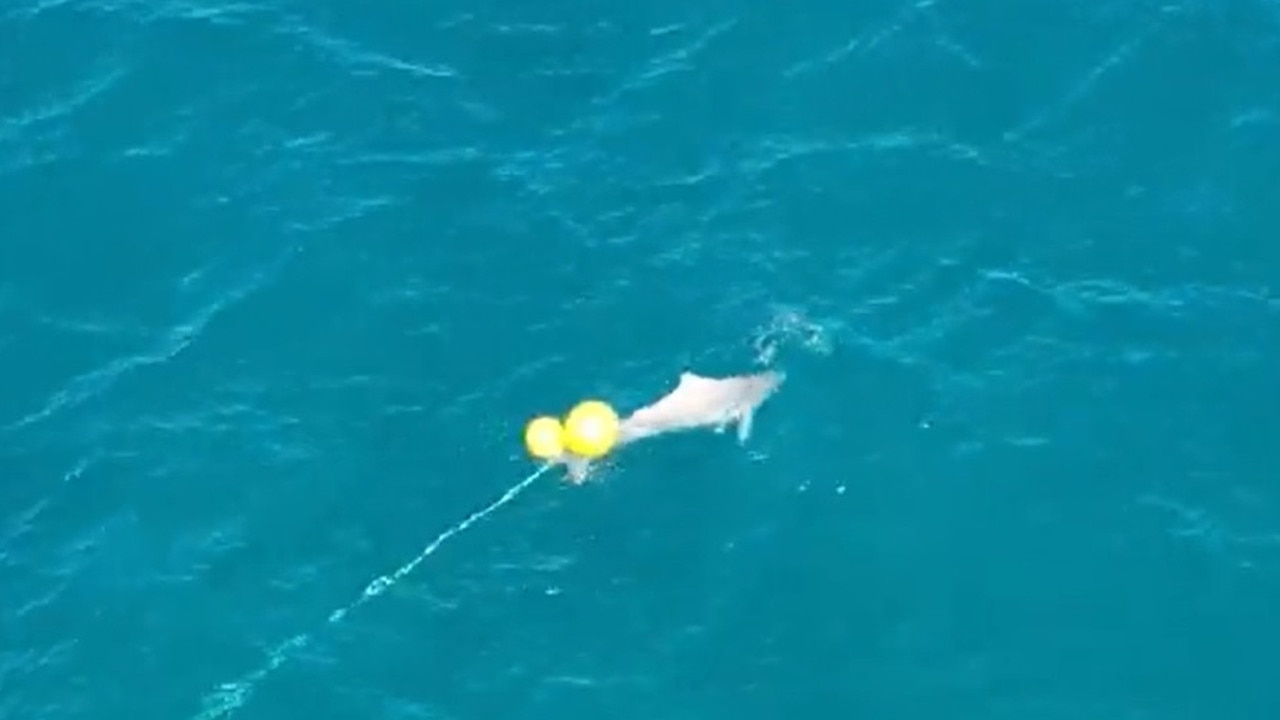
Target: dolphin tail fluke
[[578, 468]]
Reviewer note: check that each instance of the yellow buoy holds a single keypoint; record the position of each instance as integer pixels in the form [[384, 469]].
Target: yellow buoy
[[591, 429], [544, 438]]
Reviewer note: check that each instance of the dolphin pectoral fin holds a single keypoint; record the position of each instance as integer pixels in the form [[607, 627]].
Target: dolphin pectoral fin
[[744, 426]]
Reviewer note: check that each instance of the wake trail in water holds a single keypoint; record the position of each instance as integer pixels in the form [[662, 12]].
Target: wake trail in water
[[231, 696]]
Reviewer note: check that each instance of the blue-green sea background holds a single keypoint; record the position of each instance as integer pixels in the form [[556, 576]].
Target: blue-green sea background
[[281, 283]]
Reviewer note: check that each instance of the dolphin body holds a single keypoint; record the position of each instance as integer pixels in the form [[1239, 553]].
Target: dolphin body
[[696, 402]]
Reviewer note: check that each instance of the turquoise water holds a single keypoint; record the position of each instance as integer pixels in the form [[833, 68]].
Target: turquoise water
[[280, 285]]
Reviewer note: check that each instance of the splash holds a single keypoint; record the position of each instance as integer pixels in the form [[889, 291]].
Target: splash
[[790, 327]]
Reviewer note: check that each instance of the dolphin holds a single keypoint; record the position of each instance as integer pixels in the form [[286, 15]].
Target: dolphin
[[696, 402]]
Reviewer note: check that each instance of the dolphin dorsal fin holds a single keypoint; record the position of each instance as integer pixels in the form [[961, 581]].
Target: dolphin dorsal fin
[[690, 379]]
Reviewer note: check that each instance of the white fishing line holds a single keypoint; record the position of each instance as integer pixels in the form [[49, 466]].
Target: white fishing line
[[231, 696]]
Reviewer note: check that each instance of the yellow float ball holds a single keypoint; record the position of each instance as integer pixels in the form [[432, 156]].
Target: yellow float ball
[[544, 438], [591, 429]]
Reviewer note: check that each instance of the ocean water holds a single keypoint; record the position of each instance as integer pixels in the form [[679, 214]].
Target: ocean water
[[281, 282]]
